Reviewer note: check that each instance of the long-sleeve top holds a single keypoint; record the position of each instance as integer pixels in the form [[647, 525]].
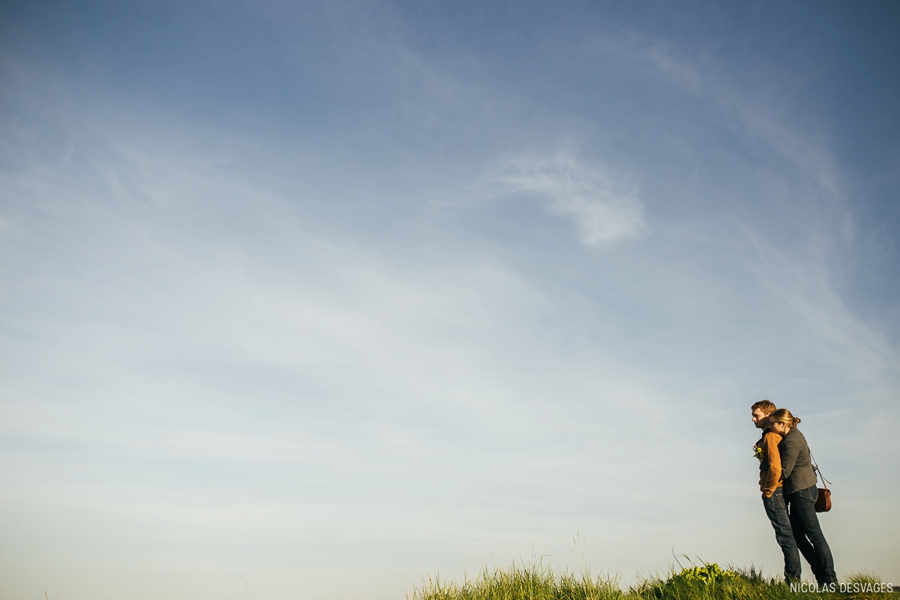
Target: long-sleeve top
[[796, 466], [770, 464]]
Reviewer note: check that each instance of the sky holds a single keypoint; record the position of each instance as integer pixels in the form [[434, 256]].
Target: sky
[[319, 300]]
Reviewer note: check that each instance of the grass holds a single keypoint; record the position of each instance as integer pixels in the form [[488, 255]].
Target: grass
[[708, 581]]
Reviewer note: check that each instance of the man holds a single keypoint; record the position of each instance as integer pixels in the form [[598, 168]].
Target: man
[[766, 450]]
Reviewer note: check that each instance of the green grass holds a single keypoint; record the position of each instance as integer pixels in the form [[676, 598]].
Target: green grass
[[705, 582]]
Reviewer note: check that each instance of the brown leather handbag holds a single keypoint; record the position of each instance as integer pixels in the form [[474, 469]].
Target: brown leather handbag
[[823, 500]]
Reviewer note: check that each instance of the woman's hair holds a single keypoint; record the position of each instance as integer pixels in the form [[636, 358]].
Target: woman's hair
[[783, 415]]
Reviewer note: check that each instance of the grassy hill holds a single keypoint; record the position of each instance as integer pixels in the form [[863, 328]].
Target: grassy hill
[[707, 581]]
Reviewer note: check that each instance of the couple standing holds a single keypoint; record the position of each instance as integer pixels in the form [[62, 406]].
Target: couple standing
[[788, 484]]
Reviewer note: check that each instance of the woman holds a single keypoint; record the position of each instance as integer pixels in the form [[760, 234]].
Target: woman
[[800, 495]]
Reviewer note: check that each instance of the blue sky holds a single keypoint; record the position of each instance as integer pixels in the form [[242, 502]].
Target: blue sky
[[314, 299]]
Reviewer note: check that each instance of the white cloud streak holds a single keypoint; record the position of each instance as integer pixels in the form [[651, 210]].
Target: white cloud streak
[[757, 115], [603, 208]]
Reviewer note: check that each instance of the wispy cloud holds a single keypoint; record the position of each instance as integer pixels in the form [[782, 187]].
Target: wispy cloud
[[604, 208], [757, 114]]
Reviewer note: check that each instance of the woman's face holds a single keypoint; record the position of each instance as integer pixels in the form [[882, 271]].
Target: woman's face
[[780, 428]]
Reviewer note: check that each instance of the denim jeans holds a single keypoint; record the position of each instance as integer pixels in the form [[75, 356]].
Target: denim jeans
[[810, 539], [776, 510]]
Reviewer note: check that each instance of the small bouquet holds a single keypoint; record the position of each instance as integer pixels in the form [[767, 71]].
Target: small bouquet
[[758, 451]]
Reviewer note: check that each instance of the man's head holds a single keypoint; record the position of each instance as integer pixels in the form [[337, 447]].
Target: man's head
[[760, 412]]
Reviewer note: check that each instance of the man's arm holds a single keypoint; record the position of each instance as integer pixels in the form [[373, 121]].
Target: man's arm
[[789, 453], [773, 459]]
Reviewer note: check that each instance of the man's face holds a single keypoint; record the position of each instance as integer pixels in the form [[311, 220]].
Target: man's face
[[760, 419]]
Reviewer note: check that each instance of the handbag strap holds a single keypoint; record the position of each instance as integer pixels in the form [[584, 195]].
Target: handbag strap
[[825, 482]]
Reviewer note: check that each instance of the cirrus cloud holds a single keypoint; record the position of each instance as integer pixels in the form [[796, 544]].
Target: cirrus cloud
[[603, 207]]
